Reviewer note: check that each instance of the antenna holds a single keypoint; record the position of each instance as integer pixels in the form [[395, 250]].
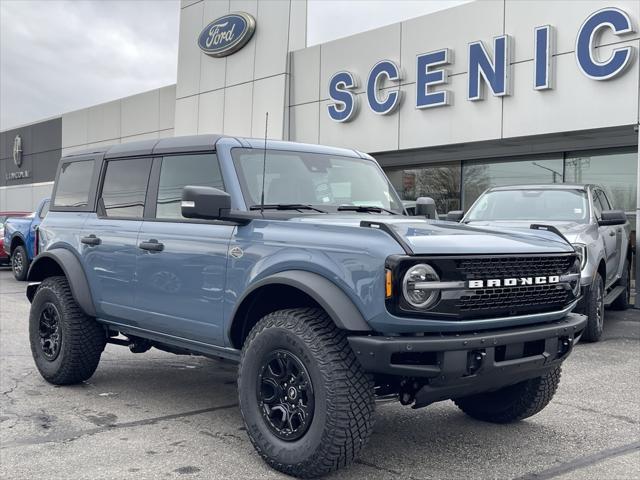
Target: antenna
[[264, 161]]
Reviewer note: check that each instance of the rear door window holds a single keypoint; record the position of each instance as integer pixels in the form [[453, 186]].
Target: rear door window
[[125, 187], [74, 184]]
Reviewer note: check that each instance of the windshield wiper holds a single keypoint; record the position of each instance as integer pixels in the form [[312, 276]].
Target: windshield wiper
[[365, 209], [286, 206]]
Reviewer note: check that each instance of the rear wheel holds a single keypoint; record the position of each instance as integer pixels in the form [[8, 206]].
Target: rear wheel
[[307, 404], [512, 403], [595, 311], [20, 263], [624, 299], [66, 344]]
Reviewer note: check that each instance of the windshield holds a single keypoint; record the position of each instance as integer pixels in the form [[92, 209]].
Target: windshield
[[313, 179], [549, 205]]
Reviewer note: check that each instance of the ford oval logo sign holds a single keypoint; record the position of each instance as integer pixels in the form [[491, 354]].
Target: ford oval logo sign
[[227, 34]]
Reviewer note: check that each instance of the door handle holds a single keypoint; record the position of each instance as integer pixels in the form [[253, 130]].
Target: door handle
[[152, 245], [612, 233], [91, 240]]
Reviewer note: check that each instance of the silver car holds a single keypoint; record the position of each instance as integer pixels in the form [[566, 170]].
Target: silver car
[[583, 214]]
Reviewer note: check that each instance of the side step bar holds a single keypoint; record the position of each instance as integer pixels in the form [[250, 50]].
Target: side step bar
[[613, 294]]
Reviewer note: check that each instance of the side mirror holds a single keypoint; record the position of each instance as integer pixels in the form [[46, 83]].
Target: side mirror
[[206, 203], [455, 215], [426, 207], [612, 217]]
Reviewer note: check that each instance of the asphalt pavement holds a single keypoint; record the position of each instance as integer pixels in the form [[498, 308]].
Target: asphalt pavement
[[158, 415]]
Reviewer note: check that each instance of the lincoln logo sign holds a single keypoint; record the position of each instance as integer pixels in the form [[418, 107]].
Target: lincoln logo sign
[[227, 34], [513, 282], [485, 71]]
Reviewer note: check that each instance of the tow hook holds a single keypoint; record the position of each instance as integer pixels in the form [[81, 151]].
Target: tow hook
[[564, 345], [408, 389], [474, 361]]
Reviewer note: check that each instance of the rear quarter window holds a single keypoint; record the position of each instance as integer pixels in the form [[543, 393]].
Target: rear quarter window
[[74, 184]]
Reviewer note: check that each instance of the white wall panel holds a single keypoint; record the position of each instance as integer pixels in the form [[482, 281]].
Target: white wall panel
[[237, 105], [453, 28], [271, 43], [358, 54], [240, 64], [74, 128], [167, 107], [269, 96], [166, 133], [368, 132], [140, 113], [40, 191], [103, 122], [298, 25], [142, 136], [463, 121], [305, 75], [188, 50], [212, 70], [186, 116], [211, 112], [304, 123], [577, 102], [566, 16]]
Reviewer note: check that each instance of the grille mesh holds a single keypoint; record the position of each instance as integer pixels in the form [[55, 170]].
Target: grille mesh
[[509, 267], [535, 297]]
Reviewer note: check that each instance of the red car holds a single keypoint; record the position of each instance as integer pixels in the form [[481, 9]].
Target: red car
[[4, 258]]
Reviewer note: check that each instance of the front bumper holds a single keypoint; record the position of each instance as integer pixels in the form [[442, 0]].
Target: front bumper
[[456, 365]]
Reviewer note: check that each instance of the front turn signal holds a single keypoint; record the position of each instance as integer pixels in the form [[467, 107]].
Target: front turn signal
[[388, 284]]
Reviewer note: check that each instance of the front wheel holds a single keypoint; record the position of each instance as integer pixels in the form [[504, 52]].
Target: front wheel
[[307, 405], [20, 263], [595, 311], [512, 403]]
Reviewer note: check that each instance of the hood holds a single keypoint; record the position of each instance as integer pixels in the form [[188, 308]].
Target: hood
[[571, 230], [435, 237]]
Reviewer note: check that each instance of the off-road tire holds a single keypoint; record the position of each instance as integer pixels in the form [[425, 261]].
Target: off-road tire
[[624, 299], [344, 397], [20, 263], [82, 338], [512, 403], [594, 309]]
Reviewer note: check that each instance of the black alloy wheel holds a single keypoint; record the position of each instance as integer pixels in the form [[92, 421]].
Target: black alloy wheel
[[50, 333], [285, 395]]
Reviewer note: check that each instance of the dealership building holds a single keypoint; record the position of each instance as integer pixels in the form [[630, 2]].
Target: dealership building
[[491, 92]]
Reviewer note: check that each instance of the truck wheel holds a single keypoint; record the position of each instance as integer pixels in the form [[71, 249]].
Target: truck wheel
[[594, 309], [66, 344], [624, 299], [512, 403], [20, 263], [307, 404]]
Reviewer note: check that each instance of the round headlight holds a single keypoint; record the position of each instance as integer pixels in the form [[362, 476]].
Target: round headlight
[[415, 292]]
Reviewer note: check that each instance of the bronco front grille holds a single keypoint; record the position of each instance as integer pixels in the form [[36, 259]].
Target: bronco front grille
[[506, 267], [513, 299]]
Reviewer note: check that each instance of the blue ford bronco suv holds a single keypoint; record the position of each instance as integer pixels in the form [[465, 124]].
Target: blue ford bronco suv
[[299, 263]]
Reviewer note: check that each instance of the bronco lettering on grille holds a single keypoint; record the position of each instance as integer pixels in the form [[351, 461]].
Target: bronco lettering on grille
[[512, 282]]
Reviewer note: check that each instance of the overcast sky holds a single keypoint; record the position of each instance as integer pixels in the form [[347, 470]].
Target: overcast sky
[[57, 56]]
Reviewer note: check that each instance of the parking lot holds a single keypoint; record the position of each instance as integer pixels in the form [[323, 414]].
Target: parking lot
[[157, 415]]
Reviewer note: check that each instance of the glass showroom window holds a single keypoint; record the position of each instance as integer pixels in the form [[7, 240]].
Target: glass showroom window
[[479, 175], [614, 170], [440, 182]]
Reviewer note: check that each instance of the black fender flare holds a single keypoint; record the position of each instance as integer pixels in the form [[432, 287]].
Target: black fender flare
[[72, 269], [327, 294]]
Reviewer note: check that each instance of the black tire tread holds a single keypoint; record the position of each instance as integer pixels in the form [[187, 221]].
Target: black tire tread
[[25, 263], [351, 402], [529, 398], [83, 338], [591, 333]]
